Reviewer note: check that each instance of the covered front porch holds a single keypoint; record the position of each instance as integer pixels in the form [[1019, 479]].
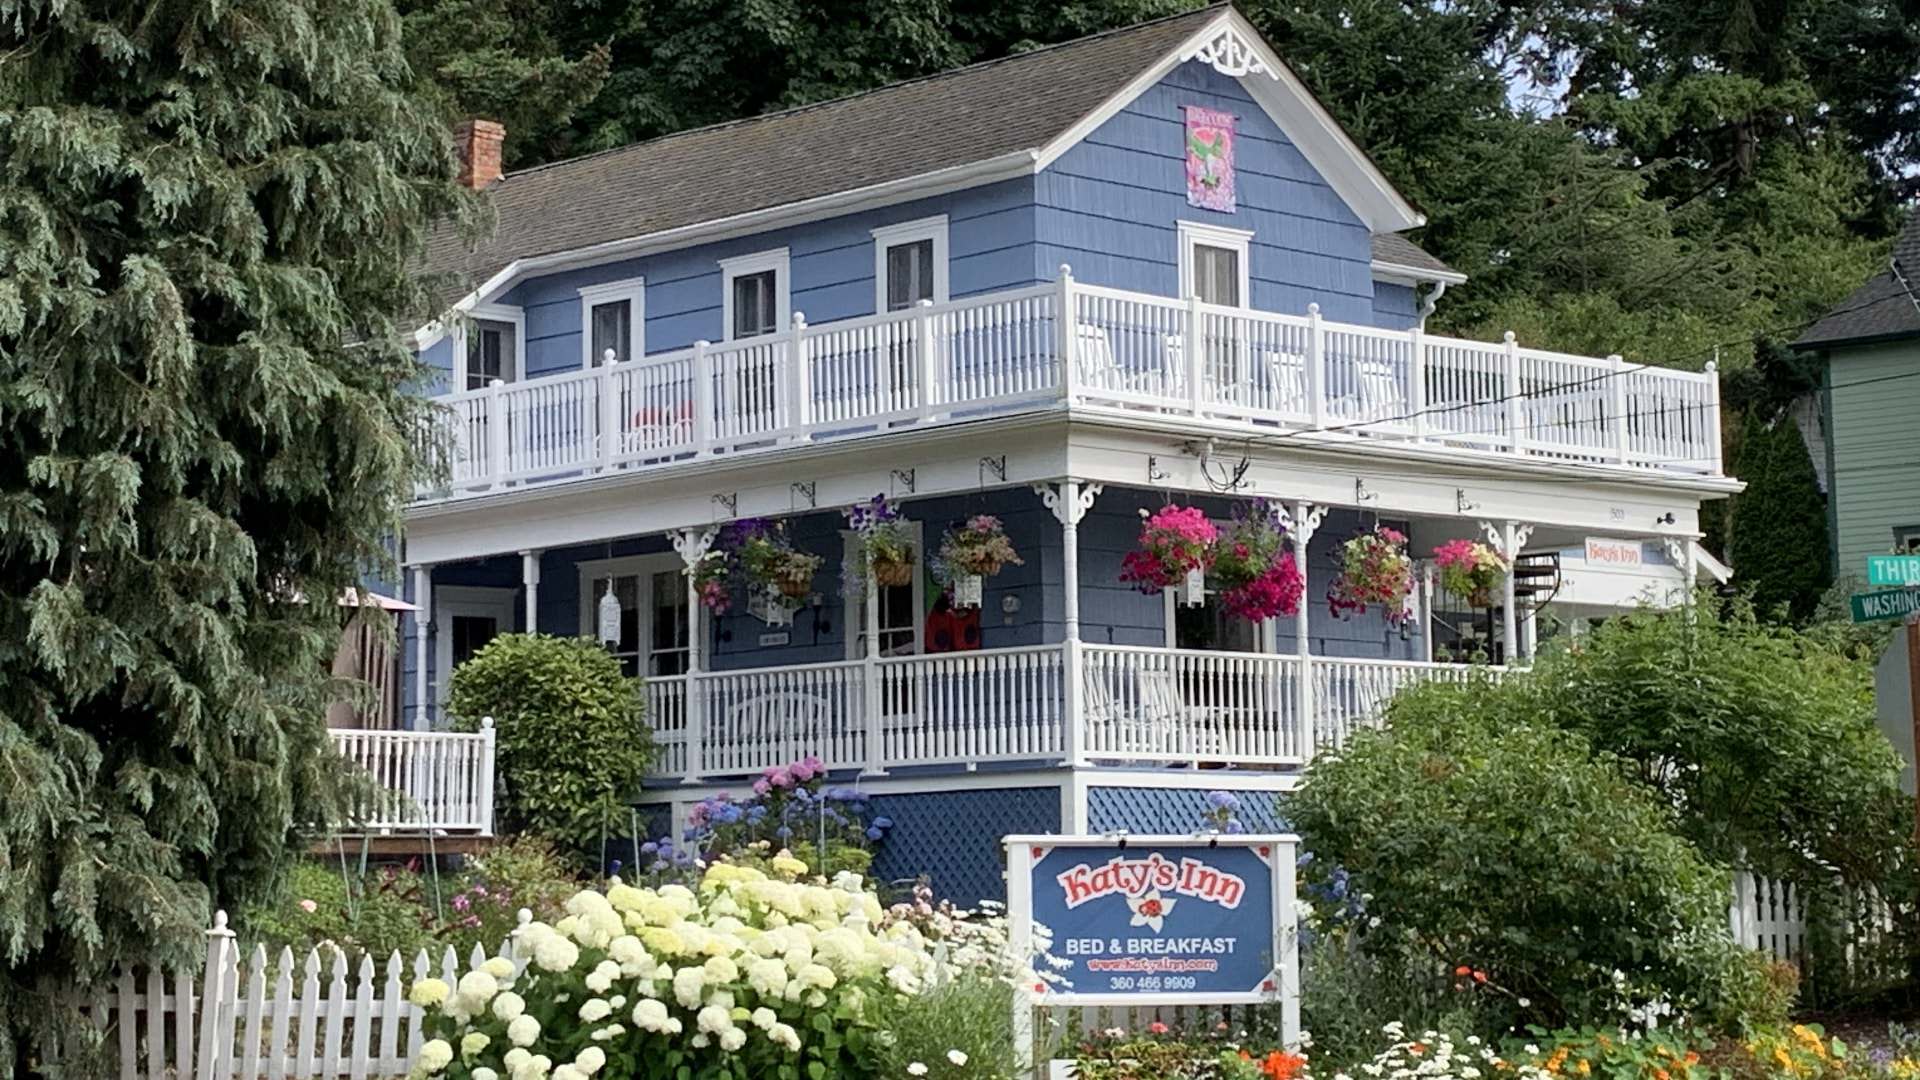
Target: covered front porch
[[1059, 663]]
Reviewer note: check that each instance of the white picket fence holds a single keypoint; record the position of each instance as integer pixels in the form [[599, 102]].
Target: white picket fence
[[256, 1016], [1770, 916]]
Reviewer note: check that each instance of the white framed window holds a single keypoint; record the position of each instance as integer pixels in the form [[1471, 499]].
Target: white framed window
[[613, 318], [1208, 626], [490, 343], [903, 608], [1906, 539], [1213, 263], [756, 293], [910, 263], [655, 621]]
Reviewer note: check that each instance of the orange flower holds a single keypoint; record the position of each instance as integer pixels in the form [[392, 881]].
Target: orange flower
[[1463, 970], [1417, 1049], [1281, 1065], [1692, 1058], [1480, 976], [1660, 1074]]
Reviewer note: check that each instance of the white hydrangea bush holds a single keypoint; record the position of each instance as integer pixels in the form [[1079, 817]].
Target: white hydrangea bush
[[745, 976]]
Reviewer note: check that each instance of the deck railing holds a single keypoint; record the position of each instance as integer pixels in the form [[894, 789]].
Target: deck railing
[[1008, 351], [1136, 704], [425, 782]]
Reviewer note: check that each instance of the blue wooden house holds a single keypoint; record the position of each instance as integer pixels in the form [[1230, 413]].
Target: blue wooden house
[[1138, 269]]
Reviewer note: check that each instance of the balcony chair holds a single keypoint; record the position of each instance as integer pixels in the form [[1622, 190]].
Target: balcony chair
[[659, 432], [1100, 370], [1287, 382]]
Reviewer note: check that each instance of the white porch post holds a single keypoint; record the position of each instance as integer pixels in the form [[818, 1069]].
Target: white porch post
[[1303, 523], [530, 580], [1508, 539], [422, 619], [691, 545], [1426, 611], [1070, 502], [870, 673]]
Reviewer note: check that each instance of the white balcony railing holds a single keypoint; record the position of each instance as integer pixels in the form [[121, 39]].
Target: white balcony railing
[[1004, 352], [428, 782], [1012, 705]]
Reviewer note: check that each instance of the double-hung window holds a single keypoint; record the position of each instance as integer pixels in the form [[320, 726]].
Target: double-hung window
[[1213, 270], [910, 263], [613, 319], [492, 346], [756, 293]]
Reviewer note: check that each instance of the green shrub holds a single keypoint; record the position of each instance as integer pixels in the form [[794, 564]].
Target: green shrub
[[384, 911], [572, 743], [482, 906], [968, 1015], [1347, 996], [1517, 852]]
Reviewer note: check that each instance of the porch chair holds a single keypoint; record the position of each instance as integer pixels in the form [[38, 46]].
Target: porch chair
[[1379, 396], [790, 718], [1173, 728], [661, 430]]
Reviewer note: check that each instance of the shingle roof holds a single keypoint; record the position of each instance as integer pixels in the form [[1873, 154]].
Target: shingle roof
[[1400, 251], [943, 121], [1881, 308]]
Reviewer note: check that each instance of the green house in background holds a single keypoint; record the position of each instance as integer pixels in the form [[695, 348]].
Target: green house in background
[[1870, 411]]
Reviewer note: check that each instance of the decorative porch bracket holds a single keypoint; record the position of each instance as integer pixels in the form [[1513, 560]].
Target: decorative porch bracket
[[1301, 523], [692, 545], [1070, 500], [1509, 540]]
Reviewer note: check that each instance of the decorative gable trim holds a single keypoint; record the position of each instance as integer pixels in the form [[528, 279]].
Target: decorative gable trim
[[1230, 42], [1229, 54]]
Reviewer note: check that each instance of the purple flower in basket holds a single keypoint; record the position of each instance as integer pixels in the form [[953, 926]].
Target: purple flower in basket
[[866, 515]]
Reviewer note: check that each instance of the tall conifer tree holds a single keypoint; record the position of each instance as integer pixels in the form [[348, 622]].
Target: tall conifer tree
[[208, 211]]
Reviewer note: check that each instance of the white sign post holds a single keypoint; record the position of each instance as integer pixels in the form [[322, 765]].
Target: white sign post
[[1207, 919]]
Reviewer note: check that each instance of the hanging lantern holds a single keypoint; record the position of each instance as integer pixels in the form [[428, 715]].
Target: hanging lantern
[[609, 616]]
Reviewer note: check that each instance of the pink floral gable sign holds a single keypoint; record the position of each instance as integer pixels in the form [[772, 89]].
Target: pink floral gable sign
[[1209, 159]]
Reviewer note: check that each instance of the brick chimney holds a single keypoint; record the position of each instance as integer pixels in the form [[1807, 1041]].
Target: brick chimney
[[478, 144]]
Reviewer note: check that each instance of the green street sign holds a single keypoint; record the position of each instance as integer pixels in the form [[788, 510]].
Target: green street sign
[[1881, 606], [1893, 570]]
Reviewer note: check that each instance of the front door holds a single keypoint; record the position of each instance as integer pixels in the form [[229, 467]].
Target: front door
[[465, 618]]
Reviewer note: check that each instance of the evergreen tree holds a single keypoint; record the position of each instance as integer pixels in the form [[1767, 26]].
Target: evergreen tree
[[1777, 543], [207, 216]]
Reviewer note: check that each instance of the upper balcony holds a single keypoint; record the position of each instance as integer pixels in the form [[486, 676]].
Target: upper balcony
[[1229, 370]]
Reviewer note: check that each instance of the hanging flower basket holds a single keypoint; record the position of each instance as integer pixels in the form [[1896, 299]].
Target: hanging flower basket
[[1470, 570], [769, 561], [1176, 548], [970, 552], [886, 542], [1253, 570], [1374, 569]]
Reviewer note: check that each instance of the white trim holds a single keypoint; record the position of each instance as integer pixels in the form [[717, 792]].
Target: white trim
[[1065, 779], [1401, 274], [505, 313], [1280, 93], [634, 292], [856, 609], [640, 567], [774, 259], [1216, 236], [872, 197], [449, 601], [906, 232]]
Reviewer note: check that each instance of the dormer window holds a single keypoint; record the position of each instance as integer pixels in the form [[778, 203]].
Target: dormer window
[[910, 263], [613, 318], [757, 290]]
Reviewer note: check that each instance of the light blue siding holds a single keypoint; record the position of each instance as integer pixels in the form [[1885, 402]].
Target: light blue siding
[[990, 232], [1110, 206], [439, 357], [1395, 306]]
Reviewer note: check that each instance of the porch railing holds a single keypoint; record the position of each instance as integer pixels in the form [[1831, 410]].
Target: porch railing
[[1136, 704], [1012, 350], [423, 781]]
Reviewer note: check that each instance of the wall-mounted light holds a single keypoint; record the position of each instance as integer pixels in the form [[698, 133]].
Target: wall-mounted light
[[1664, 519], [1010, 604]]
